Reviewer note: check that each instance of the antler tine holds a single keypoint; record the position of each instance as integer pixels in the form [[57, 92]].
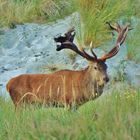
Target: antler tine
[[72, 46], [129, 27], [116, 28], [111, 26], [89, 57], [70, 30], [69, 34], [67, 45], [93, 53], [92, 50], [120, 40], [122, 36]]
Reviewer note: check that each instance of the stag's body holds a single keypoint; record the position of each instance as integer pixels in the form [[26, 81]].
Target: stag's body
[[64, 87]]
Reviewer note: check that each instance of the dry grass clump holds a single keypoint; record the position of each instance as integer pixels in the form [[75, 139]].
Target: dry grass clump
[[21, 11]]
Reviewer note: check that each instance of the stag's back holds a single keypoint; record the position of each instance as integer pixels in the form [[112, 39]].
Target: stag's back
[[63, 86]]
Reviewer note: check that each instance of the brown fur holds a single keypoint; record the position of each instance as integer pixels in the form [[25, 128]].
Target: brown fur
[[64, 87]]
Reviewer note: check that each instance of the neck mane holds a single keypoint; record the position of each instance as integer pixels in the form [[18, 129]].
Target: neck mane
[[91, 84]]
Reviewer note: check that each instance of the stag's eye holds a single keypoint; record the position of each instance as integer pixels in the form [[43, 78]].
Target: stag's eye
[[95, 68]]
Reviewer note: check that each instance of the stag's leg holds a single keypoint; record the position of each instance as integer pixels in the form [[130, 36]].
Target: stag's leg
[[15, 97], [72, 107], [22, 101]]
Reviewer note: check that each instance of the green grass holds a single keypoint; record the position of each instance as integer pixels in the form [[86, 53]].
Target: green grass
[[114, 116], [95, 14], [133, 43], [21, 11]]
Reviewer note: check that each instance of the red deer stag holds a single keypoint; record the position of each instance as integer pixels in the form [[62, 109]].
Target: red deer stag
[[66, 87]]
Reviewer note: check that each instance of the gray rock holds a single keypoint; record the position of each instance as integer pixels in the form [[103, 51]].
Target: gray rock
[[4, 78], [132, 73], [80, 64], [30, 48], [120, 87]]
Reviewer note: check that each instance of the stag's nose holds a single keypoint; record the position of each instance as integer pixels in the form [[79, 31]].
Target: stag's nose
[[106, 79]]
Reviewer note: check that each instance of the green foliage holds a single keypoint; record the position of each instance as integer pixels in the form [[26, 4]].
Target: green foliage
[[133, 42], [135, 5], [21, 11], [95, 14], [114, 116]]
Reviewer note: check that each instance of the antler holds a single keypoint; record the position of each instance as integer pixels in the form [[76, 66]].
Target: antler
[[72, 46], [68, 36], [122, 33], [67, 43]]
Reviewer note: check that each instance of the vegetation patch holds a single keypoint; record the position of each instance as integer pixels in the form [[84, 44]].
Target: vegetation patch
[[133, 42], [94, 15], [114, 116], [20, 11]]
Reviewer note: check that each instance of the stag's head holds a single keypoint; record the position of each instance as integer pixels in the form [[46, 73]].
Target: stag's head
[[97, 66]]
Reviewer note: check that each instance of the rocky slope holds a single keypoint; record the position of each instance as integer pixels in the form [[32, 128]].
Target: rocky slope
[[30, 48]]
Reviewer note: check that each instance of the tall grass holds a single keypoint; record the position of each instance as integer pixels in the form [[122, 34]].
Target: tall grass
[[21, 11], [133, 42], [95, 14], [135, 4], [114, 117]]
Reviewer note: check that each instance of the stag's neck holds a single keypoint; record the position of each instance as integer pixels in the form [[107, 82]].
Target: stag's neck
[[89, 79], [91, 84]]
